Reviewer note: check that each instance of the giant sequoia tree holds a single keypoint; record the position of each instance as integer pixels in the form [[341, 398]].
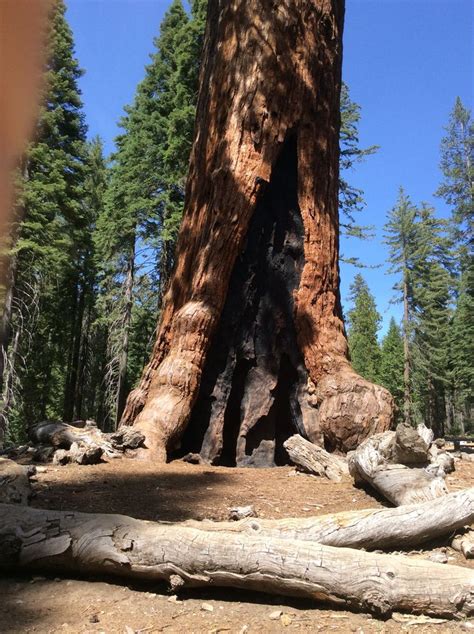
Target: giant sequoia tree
[[251, 344]]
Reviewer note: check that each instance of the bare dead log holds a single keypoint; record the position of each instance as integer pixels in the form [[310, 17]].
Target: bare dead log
[[78, 453], [464, 543], [372, 462], [127, 438], [313, 459], [371, 529], [186, 556], [15, 484], [410, 446], [83, 442]]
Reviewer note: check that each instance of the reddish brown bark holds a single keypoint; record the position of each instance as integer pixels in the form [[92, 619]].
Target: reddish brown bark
[[269, 92]]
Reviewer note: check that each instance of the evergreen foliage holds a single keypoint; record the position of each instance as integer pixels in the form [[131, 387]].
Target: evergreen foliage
[[50, 232], [462, 353], [351, 198], [402, 238], [137, 230], [432, 299], [457, 166], [390, 373], [457, 189], [363, 322]]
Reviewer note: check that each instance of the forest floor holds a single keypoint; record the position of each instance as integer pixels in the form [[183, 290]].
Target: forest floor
[[180, 491]]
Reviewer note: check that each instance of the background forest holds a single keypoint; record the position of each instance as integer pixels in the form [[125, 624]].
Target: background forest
[[93, 244]]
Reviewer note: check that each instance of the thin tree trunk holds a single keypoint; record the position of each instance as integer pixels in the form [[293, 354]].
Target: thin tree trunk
[[127, 318], [8, 396], [82, 363], [406, 358], [72, 374], [252, 323], [188, 556]]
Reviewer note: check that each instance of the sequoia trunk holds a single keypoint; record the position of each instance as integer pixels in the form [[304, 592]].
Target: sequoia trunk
[[251, 346]]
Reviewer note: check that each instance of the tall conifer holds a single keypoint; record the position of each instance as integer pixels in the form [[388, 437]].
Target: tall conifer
[[390, 373], [49, 232], [363, 322]]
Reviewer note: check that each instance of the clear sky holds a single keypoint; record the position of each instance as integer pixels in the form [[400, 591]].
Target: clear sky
[[405, 62]]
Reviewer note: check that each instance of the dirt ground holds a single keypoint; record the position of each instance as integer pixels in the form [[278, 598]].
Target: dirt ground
[[179, 491]]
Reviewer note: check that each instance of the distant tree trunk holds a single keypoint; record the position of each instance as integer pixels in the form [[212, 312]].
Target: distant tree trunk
[[127, 317], [406, 357], [6, 367], [72, 374], [251, 346]]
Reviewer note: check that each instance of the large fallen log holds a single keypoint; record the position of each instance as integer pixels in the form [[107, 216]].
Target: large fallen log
[[187, 556], [313, 459], [371, 529], [373, 462]]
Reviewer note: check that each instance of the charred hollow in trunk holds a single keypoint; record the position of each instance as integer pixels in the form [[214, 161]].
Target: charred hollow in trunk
[[248, 403]]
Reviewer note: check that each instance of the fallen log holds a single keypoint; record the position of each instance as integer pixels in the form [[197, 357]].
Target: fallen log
[[371, 529], [187, 556], [313, 459], [15, 487], [372, 462], [83, 442]]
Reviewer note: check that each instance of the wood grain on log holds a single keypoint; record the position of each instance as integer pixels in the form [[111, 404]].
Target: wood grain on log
[[314, 459], [190, 557], [372, 529]]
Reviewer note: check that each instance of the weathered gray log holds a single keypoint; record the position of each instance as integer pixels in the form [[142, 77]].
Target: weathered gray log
[[401, 527], [372, 462], [186, 556], [15, 487], [426, 433], [127, 438], [313, 459], [82, 442], [464, 543], [78, 453], [410, 445]]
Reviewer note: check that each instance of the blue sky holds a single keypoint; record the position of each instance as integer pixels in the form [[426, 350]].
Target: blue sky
[[405, 62]]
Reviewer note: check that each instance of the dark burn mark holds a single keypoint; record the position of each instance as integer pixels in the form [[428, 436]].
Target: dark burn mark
[[248, 402]]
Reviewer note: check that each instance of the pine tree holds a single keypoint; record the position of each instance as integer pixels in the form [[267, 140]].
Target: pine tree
[[390, 373], [462, 353], [457, 165], [351, 199], [457, 189], [136, 232], [430, 344], [50, 229], [402, 236], [363, 323], [89, 343]]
